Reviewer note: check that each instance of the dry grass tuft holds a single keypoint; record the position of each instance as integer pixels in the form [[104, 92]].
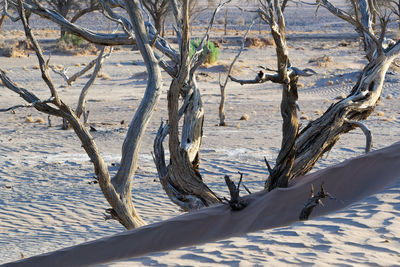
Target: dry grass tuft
[[341, 96], [104, 76], [39, 120], [304, 117], [317, 112], [253, 42], [380, 114], [35, 67], [29, 119], [390, 119], [322, 61], [237, 126], [330, 83], [16, 49], [245, 117], [389, 96]]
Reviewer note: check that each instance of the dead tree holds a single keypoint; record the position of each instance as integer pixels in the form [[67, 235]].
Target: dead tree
[[364, 18], [97, 64], [181, 178], [222, 86], [300, 150], [118, 189], [158, 10]]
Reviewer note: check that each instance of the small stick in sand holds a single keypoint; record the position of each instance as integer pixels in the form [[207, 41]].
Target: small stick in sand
[[236, 203], [313, 201]]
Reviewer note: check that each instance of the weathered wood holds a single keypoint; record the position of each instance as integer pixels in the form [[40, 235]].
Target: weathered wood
[[236, 202], [312, 202], [222, 86], [182, 180], [117, 191]]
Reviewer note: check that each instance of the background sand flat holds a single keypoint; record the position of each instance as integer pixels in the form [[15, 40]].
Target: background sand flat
[[46, 201]]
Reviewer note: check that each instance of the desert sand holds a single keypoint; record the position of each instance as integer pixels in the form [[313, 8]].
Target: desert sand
[[48, 199]]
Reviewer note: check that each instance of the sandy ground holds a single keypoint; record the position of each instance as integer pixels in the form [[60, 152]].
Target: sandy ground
[[48, 200]]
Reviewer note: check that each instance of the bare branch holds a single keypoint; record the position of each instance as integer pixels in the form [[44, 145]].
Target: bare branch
[[42, 63], [260, 78], [29, 97], [366, 131], [196, 61], [74, 77], [5, 12], [236, 202], [82, 98], [91, 36], [313, 201]]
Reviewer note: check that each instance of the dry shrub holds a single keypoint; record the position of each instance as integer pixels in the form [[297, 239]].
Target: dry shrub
[[253, 42], [35, 67], [322, 61], [389, 96], [380, 114], [390, 119], [16, 49], [104, 76], [39, 120], [318, 112], [304, 117], [341, 96], [330, 83], [29, 119], [245, 117], [237, 126], [77, 49]]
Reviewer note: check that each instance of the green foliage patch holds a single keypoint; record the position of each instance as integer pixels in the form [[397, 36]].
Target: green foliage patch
[[69, 38], [213, 51]]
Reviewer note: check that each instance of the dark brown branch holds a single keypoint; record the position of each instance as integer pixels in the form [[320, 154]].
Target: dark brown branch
[[312, 202], [236, 202]]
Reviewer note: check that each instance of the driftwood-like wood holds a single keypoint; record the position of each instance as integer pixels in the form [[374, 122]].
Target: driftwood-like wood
[[312, 202], [182, 180], [301, 150], [222, 86], [236, 202], [81, 107]]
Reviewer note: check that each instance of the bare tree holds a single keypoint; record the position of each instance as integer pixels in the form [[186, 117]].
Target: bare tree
[[117, 190], [364, 18], [300, 150], [181, 179], [158, 10]]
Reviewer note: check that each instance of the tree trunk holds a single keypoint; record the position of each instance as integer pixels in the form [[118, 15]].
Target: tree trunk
[[2, 19], [321, 135], [181, 179], [221, 110], [122, 181]]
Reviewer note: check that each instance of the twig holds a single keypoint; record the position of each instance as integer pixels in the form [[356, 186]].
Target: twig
[[42, 63], [313, 201], [366, 131], [236, 202]]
